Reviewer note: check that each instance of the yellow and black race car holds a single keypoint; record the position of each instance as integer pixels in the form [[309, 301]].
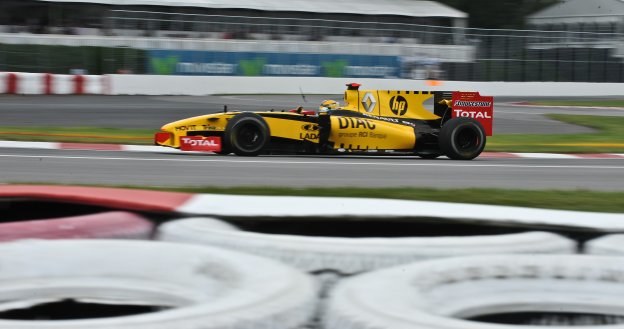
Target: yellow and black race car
[[370, 121]]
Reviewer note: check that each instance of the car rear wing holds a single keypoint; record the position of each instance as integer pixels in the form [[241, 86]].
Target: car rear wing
[[466, 105]]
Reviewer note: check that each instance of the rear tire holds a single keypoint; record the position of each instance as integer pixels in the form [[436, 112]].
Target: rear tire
[[462, 138], [246, 134]]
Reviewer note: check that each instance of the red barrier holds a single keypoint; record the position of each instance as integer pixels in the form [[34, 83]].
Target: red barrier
[[12, 83], [116, 198], [107, 225], [48, 80], [79, 81]]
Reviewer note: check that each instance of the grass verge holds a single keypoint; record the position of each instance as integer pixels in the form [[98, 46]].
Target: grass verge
[[78, 135], [590, 103], [608, 138]]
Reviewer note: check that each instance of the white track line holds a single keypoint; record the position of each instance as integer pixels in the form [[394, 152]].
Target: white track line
[[331, 163]]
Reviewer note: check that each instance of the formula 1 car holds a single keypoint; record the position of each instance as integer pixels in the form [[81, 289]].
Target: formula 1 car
[[371, 121]]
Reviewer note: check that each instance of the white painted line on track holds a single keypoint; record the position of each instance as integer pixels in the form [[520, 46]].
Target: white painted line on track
[[33, 145], [332, 163], [546, 155]]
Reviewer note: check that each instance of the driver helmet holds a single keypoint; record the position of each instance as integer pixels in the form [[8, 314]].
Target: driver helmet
[[327, 105]]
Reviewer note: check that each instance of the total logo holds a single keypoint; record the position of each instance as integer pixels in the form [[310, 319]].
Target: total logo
[[472, 114], [398, 105], [199, 142]]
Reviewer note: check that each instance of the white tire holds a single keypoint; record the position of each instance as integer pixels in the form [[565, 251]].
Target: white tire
[[441, 294], [204, 287], [354, 255], [612, 244]]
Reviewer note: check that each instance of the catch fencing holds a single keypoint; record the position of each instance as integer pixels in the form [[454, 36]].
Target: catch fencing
[[127, 40]]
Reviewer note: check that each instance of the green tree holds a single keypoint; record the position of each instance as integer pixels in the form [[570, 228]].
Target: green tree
[[498, 14]]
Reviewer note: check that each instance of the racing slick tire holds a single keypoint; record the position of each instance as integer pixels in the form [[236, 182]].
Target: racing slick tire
[[462, 138], [246, 134], [184, 286]]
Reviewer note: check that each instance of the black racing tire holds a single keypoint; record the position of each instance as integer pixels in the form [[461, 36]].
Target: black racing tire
[[246, 134], [225, 149], [462, 138]]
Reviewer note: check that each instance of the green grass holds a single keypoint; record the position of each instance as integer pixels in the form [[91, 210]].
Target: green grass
[[579, 200], [78, 135], [608, 138], [598, 102]]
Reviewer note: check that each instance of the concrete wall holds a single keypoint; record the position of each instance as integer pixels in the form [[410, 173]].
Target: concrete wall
[[128, 84], [206, 85]]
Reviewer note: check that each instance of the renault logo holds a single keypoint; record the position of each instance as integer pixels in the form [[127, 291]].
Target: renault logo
[[369, 102]]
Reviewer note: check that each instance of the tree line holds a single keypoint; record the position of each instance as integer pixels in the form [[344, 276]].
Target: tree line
[[498, 14]]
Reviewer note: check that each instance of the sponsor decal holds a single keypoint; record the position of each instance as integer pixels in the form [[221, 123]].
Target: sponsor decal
[[378, 136], [311, 131], [241, 63], [164, 66], [252, 67], [200, 143], [471, 114], [194, 127], [310, 127], [355, 123], [362, 134], [398, 105], [206, 68], [334, 69], [277, 69], [393, 120], [369, 71], [472, 104], [369, 102]]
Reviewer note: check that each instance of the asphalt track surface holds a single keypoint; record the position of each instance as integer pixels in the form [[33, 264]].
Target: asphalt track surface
[[164, 169]]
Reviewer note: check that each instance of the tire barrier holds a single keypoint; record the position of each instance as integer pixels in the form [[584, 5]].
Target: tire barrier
[[52, 84], [220, 205], [188, 286], [290, 206], [612, 244], [442, 294], [107, 225], [353, 255]]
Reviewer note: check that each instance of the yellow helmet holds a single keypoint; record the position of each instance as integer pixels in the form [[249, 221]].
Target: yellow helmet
[[328, 104]]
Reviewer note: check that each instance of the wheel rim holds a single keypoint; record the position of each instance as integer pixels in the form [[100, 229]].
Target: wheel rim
[[249, 137], [467, 139]]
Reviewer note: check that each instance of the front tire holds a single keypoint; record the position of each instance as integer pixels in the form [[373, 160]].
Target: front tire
[[246, 134], [462, 138]]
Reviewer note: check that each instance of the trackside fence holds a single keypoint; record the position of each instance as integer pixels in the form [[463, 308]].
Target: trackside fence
[[126, 40]]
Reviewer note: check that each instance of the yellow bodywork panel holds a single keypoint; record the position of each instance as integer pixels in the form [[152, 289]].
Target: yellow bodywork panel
[[367, 134], [279, 127], [210, 122], [390, 103], [291, 129]]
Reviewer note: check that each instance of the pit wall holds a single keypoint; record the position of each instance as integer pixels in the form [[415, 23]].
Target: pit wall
[[128, 84]]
